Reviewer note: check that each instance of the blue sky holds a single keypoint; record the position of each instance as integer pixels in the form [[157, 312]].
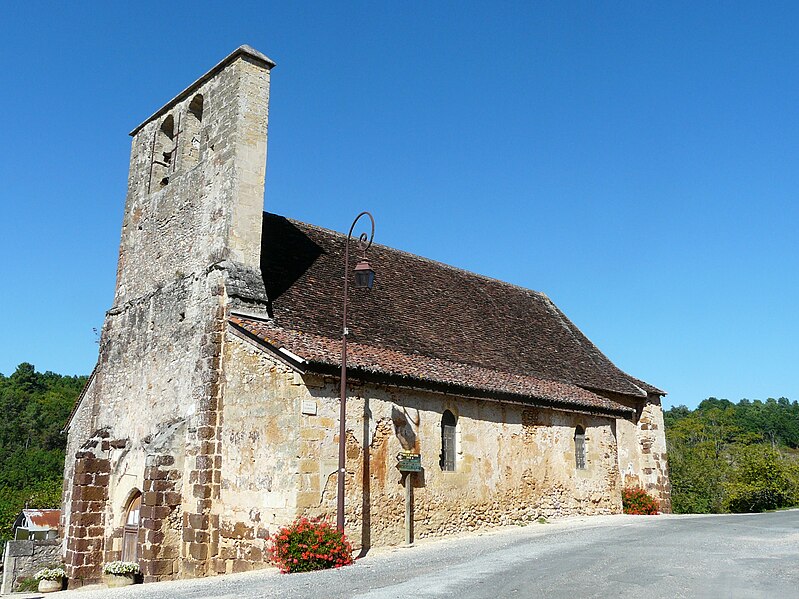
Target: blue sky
[[637, 162]]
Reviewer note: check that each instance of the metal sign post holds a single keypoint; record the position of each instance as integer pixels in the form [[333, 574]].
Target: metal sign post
[[409, 463], [409, 508]]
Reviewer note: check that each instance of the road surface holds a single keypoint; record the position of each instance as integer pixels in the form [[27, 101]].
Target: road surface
[[753, 555]]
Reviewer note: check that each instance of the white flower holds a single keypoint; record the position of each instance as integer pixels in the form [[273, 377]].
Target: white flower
[[123, 568], [50, 574]]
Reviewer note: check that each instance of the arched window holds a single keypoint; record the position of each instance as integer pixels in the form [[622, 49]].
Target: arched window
[[130, 536], [192, 133], [579, 447], [196, 107], [163, 161], [448, 439]]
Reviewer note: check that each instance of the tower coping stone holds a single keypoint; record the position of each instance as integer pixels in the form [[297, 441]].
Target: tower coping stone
[[243, 50]]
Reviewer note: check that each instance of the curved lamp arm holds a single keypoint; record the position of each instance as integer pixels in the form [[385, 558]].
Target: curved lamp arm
[[364, 243]]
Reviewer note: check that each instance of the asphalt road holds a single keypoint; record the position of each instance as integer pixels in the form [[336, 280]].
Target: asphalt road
[[754, 555]]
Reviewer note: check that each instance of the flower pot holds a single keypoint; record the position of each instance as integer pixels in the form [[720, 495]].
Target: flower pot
[[118, 580], [50, 586]]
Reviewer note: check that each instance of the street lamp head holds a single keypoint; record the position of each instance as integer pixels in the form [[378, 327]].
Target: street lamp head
[[364, 275]]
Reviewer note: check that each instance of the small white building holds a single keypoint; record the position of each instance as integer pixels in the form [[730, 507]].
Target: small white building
[[39, 525]]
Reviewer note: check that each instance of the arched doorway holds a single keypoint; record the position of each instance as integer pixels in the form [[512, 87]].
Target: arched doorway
[[130, 535]]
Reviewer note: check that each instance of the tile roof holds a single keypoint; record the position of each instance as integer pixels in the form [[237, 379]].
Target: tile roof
[[41, 519], [307, 351], [427, 321]]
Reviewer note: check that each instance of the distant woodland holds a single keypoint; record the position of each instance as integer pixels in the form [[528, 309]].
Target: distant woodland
[[727, 457], [723, 457], [34, 408]]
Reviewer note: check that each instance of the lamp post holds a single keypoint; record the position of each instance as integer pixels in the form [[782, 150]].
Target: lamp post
[[364, 278]]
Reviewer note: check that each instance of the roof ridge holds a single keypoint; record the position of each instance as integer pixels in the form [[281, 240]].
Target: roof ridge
[[243, 50], [79, 400]]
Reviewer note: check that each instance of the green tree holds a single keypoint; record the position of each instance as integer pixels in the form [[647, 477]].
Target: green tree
[[762, 479], [35, 407], [698, 461], [725, 456]]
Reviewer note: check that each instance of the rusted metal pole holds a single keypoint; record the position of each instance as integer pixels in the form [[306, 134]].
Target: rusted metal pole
[[342, 414], [409, 508], [363, 243]]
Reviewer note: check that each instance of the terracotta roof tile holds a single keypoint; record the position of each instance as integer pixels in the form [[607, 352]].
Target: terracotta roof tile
[[421, 371], [41, 519], [428, 312]]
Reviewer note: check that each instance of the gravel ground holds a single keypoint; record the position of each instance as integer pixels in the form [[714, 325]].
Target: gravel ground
[[752, 555]]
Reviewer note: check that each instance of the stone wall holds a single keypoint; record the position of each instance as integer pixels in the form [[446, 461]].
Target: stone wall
[[190, 244], [80, 430], [514, 463], [643, 461], [261, 436], [209, 211], [22, 559], [160, 533], [85, 536]]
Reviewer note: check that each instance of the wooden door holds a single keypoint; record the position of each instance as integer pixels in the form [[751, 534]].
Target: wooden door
[[130, 537]]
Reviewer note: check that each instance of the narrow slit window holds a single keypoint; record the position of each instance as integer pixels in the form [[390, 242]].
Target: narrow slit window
[[448, 440], [579, 448]]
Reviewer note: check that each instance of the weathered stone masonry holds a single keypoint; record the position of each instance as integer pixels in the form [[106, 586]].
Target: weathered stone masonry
[[514, 464], [642, 450], [190, 247], [23, 558], [86, 534]]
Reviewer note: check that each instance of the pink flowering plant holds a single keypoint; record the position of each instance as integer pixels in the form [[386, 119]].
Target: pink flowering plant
[[306, 545], [635, 500]]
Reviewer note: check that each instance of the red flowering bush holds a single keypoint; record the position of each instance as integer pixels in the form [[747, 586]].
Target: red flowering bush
[[637, 501], [306, 545]]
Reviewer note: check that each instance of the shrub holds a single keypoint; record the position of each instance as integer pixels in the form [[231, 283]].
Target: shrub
[[56, 573], [307, 545], [763, 480], [637, 501], [121, 568]]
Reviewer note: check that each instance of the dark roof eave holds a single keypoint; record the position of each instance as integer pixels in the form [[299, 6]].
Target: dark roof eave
[[303, 366], [370, 376], [638, 397], [292, 361]]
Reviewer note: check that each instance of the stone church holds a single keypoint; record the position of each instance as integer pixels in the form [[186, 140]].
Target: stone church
[[211, 418]]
